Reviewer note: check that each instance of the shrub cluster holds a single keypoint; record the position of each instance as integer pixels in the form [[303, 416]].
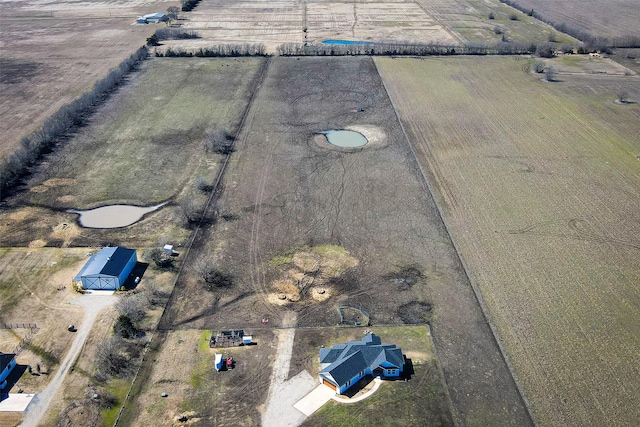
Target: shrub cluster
[[188, 5], [168, 33], [32, 147], [223, 50]]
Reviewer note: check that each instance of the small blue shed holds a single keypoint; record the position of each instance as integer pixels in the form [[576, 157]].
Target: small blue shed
[[108, 269]]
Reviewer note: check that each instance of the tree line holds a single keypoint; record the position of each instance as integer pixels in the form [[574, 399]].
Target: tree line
[[15, 167], [410, 49], [222, 50]]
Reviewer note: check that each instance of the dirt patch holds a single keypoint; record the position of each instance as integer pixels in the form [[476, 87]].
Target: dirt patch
[[307, 272], [37, 243]]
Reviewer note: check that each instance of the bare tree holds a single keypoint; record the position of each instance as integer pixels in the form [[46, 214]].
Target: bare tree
[[213, 277], [160, 258], [550, 74], [623, 95], [172, 12], [538, 67], [111, 356], [132, 306], [219, 142], [202, 185], [191, 209]]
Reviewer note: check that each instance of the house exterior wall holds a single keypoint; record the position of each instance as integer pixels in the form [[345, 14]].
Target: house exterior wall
[[101, 282], [5, 373], [128, 268]]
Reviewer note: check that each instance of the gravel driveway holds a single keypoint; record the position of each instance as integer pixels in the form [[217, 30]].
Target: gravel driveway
[[92, 303]]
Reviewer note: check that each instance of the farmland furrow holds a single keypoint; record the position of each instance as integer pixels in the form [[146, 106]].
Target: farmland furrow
[[563, 293]]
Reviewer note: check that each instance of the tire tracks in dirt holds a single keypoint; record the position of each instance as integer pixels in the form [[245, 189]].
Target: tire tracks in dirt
[[458, 377], [167, 318]]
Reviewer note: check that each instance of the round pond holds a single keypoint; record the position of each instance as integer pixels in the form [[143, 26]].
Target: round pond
[[345, 138]]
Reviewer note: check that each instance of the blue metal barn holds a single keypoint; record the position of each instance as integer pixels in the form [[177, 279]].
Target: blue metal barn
[[108, 269]]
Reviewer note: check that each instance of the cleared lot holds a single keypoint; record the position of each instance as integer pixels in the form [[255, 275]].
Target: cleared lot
[[52, 52], [286, 190], [540, 192]]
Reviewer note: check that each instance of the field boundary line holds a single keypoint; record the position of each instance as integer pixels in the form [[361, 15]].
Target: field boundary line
[[472, 282], [254, 90]]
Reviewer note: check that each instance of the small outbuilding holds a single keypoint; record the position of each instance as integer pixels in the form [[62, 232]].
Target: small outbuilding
[[7, 363], [152, 18], [108, 269]]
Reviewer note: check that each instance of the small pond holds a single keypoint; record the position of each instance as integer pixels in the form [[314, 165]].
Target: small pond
[[345, 138], [113, 216], [345, 42]]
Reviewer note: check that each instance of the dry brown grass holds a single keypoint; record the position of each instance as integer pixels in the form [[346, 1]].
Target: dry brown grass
[[52, 52], [184, 369], [36, 288], [541, 194]]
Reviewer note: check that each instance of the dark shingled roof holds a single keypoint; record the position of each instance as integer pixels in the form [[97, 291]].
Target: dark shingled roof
[[347, 368], [344, 361]]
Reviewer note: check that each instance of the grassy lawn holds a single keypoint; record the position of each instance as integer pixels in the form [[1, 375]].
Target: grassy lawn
[[421, 399]]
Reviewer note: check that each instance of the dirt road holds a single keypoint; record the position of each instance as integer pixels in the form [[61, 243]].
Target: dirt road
[[283, 394], [92, 304]]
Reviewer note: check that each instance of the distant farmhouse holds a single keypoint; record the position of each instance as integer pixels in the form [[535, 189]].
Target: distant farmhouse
[[343, 365], [7, 362], [152, 18], [108, 269]]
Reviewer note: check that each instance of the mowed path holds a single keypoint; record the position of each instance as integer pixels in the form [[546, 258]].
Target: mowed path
[[92, 304]]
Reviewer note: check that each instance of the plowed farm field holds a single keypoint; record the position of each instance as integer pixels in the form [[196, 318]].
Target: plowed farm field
[[53, 52], [600, 18], [539, 185]]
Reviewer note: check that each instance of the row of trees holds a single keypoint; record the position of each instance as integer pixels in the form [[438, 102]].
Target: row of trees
[[70, 116], [169, 33], [429, 49], [223, 50], [591, 42]]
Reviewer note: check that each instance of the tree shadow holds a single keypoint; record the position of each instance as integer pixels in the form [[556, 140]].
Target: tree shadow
[[136, 275], [14, 376], [407, 371]]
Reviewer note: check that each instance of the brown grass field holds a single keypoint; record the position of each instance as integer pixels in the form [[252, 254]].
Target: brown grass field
[[198, 97], [539, 186], [35, 287], [54, 51], [600, 18], [286, 188], [447, 22]]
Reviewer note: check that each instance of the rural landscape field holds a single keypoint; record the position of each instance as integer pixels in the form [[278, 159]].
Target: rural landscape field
[[482, 214]]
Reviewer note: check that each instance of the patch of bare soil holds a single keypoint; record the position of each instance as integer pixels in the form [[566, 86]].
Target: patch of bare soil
[[309, 275]]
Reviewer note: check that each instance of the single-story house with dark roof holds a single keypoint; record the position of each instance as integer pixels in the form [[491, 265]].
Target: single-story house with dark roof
[[152, 18], [107, 269], [7, 362], [343, 365]]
